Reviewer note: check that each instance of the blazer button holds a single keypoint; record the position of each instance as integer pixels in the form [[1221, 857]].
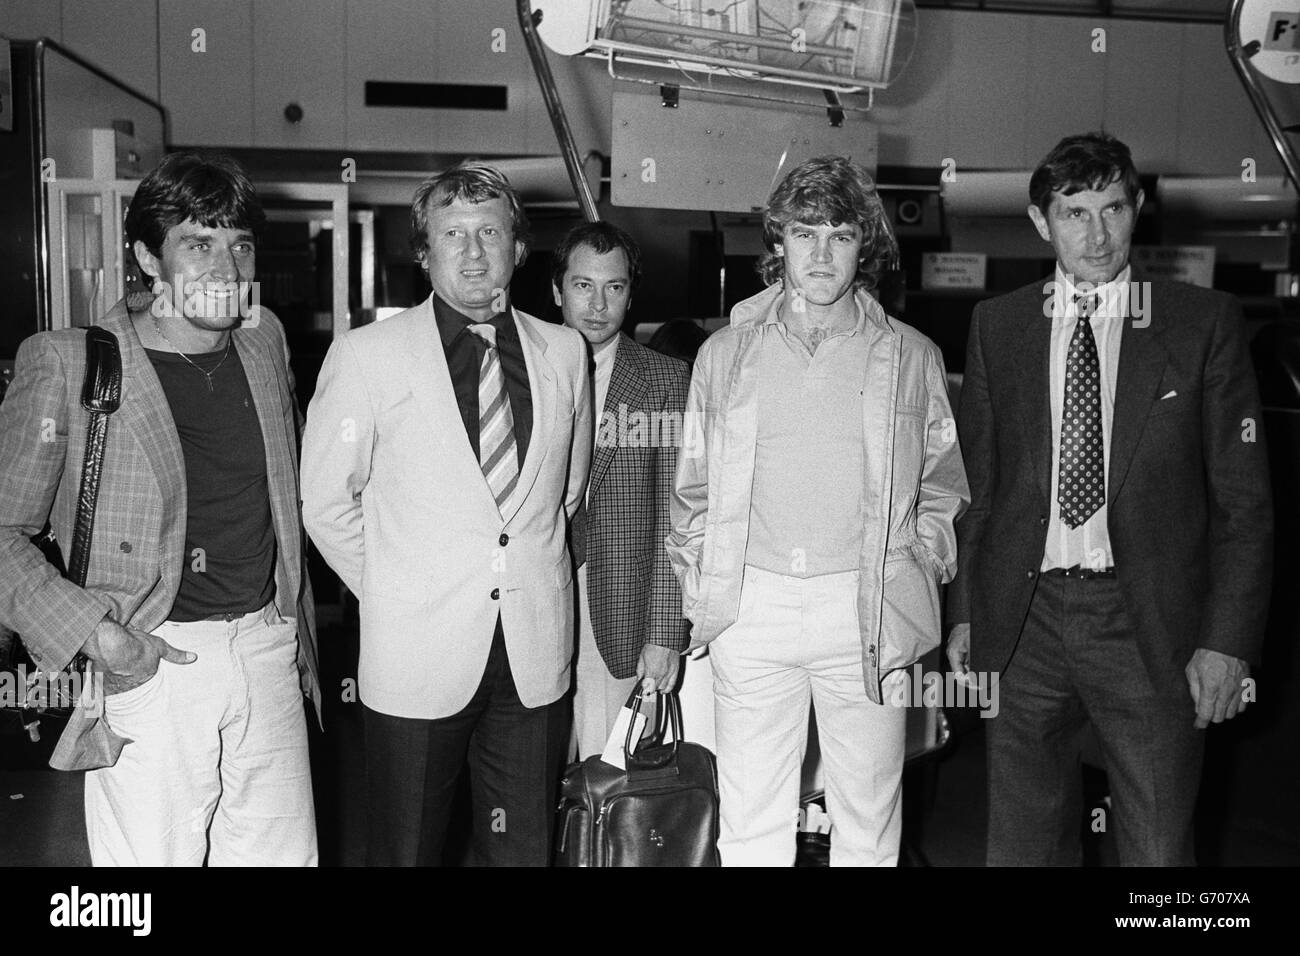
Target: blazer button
[[1030, 574], [125, 547], [1042, 519], [496, 594], [504, 539]]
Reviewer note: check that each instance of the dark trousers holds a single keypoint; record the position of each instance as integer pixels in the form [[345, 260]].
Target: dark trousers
[[1078, 661], [514, 755]]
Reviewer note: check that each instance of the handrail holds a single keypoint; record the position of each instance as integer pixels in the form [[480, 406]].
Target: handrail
[[1240, 56], [555, 109]]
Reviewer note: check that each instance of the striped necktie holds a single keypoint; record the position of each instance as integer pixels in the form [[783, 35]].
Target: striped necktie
[[496, 425]]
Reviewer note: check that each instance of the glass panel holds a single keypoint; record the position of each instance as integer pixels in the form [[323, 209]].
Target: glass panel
[[84, 265], [868, 41]]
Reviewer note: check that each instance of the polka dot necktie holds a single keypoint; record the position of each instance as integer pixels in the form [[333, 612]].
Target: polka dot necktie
[[1083, 467]]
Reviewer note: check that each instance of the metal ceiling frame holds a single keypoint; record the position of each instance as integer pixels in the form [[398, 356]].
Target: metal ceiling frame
[[1240, 55]]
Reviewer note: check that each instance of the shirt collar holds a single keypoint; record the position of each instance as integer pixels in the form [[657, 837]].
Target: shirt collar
[[1113, 296], [774, 317], [452, 322]]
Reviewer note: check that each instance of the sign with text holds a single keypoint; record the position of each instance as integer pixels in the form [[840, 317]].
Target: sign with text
[[953, 270], [1194, 264]]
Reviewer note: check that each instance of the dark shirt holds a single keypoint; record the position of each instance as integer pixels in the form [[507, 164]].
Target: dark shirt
[[229, 512], [465, 352]]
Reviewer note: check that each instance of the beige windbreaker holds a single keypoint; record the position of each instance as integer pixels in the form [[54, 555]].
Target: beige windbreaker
[[914, 485]]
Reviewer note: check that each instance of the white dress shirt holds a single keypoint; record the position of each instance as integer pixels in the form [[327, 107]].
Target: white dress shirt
[[604, 368], [1089, 544]]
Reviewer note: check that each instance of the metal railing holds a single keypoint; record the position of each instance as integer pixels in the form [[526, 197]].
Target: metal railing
[[1240, 54], [555, 109]]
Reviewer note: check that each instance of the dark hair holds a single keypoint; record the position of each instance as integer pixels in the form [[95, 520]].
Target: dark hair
[[832, 190], [210, 188], [1086, 161], [469, 182], [678, 338], [603, 237]]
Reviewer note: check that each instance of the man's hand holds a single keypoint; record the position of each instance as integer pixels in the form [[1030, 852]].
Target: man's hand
[[1215, 680], [959, 652], [129, 657], [657, 669]]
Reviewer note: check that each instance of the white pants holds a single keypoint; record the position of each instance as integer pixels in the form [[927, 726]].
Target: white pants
[[797, 639], [217, 767], [598, 696]]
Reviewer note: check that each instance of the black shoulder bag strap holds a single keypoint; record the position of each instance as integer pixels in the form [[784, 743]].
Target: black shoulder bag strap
[[101, 395]]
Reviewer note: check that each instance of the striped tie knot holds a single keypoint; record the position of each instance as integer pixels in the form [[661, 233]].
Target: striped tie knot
[[486, 331]]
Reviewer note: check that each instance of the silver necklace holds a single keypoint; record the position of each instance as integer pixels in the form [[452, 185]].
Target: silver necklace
[[206, 374]]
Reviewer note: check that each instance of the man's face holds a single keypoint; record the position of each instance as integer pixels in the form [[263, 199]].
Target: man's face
[[1090, 231], [206, 273], [821, 261], [595, 293], [472, 254]]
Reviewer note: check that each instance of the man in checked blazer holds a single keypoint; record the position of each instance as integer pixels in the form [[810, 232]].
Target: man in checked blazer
[[197, 608], [629, 602], [1115, 562], [445, 450]]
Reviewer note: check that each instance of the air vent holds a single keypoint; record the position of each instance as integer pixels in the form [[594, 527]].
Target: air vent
[[436, 96]]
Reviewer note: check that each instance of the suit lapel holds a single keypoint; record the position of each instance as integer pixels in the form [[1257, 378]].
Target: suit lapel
[[146, 415], [279, 439], [1032, 349], [628, 388], [543, 384], [436, 399], [1142, 359]]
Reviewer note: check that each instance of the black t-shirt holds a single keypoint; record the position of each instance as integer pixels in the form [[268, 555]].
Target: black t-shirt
[[229, 537]]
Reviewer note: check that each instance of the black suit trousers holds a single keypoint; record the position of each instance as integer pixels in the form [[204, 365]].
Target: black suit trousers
[[514, 756], [1077, 661]]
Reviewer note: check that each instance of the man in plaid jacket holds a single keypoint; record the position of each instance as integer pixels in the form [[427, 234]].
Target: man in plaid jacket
[[197, 609], [629, 602]]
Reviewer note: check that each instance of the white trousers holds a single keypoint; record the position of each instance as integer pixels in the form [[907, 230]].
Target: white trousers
[[598, 696], [217, 766], [796, 640]]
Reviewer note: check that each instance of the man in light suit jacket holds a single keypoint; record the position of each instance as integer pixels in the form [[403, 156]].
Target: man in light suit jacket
[[813, 514], [1115, 560], [629, 603], [445, 450], [197, 608]]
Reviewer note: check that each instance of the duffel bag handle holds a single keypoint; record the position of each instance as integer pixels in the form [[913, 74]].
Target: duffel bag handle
[[652, 755]]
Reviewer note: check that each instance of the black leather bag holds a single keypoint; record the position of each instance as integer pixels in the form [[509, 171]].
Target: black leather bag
[[661, 811], [41, 716]]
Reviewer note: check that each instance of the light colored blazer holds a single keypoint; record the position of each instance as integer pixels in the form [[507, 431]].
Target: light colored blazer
[[914, 486], [138, 546], [396, 502]]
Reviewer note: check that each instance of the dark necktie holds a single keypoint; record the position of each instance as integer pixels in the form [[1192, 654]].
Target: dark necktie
[[1082, 483]]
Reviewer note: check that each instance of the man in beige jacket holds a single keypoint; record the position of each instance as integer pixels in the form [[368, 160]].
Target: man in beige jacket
[[813, 522]]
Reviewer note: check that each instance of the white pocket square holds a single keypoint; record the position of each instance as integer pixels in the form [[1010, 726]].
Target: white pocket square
[[1170, 395]]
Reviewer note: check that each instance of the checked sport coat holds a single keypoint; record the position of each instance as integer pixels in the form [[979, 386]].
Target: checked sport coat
[[632, 593], [138, 546]]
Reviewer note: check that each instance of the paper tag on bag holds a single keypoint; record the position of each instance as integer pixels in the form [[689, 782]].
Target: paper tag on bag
[[613, 753]]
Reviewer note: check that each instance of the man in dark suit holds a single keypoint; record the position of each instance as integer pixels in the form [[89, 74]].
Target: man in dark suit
[[1115, 561], [629, 603]]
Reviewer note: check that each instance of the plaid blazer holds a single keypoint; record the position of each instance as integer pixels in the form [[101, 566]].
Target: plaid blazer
[[138, 545], [632, 593]]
